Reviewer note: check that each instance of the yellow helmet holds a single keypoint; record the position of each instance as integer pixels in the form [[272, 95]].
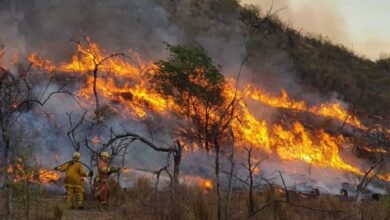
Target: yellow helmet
[[76, 155], [104, 154]]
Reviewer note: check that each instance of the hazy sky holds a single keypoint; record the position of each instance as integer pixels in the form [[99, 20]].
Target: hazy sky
[[362, 25]]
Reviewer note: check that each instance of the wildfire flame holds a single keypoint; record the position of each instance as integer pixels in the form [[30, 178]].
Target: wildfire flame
[[20, 173], [206, 184], [127, 85], [331, 110], [48, 176]]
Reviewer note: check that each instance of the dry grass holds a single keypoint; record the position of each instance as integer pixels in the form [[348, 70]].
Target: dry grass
[[142, 202]]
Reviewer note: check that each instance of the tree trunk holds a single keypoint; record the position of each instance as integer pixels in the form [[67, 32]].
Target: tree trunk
[[229, 197], [251, 202], [250, 169], [7, 182], [122, 165], [176, 166], [217, 179], [97, 104]]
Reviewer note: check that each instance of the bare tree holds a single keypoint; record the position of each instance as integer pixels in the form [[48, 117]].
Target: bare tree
[[17, 95], [86, 47], [118, 143], [72, 130], [368, 176], [251, 181], [251, 166]]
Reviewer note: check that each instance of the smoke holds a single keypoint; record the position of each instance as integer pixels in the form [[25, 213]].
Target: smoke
[[43, 25], [312, 17], [326, 18], [46, 27]]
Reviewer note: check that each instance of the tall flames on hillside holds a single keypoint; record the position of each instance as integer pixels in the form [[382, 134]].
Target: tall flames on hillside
[[125, 82]]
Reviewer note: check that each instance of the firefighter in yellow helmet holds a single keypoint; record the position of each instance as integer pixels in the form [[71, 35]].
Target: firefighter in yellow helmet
[[101, 187], [74, 184]]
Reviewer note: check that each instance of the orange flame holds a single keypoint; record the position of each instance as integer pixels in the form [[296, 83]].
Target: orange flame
[[206, 184], [20, 173], [330, 110], [48, 176], [298, 144], [127, 85], [374, 150]]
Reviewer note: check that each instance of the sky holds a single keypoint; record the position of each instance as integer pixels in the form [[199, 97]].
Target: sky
[[361, 25]]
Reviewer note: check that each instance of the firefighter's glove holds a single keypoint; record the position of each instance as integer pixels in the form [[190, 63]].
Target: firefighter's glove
[[90, 173], [56, 168]]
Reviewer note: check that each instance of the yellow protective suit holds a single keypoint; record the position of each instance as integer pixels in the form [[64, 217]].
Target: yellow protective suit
[[74, 184]]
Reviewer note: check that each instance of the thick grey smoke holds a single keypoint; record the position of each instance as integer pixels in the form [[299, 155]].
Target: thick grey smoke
[[46, 27]]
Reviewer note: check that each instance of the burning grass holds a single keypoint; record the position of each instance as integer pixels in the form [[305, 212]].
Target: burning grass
[[127, 84], [20, 172]]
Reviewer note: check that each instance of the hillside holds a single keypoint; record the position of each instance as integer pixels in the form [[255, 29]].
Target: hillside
[[228, 30], [312, 61], [185, 109]]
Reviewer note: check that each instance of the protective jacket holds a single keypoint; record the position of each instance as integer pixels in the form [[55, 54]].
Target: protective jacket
[[74, 172], [104, 171], [101, 187]]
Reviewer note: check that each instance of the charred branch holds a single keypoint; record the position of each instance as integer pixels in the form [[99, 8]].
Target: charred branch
[[285, 187], [141, 139], [71, 133], [158, 174], [89, 49], [368, 177]]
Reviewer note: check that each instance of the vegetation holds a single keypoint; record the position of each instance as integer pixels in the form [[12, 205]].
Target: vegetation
[[141, 201], [190, 78], [194, 82], [189, 73], [319, 63]]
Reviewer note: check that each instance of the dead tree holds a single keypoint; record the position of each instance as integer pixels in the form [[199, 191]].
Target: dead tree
[[368, 176], [118, 145], [251, 166], [376, 135], [158, 174], [18, 95], [87, 48], [72, 130], [119, 142], [251, 180]]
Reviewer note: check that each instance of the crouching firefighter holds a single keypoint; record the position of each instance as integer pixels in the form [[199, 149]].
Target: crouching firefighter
[[73, 182], [101, 187]]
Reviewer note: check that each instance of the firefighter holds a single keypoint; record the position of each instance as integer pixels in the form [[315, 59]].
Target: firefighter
[[101, 187], [74, 184]]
